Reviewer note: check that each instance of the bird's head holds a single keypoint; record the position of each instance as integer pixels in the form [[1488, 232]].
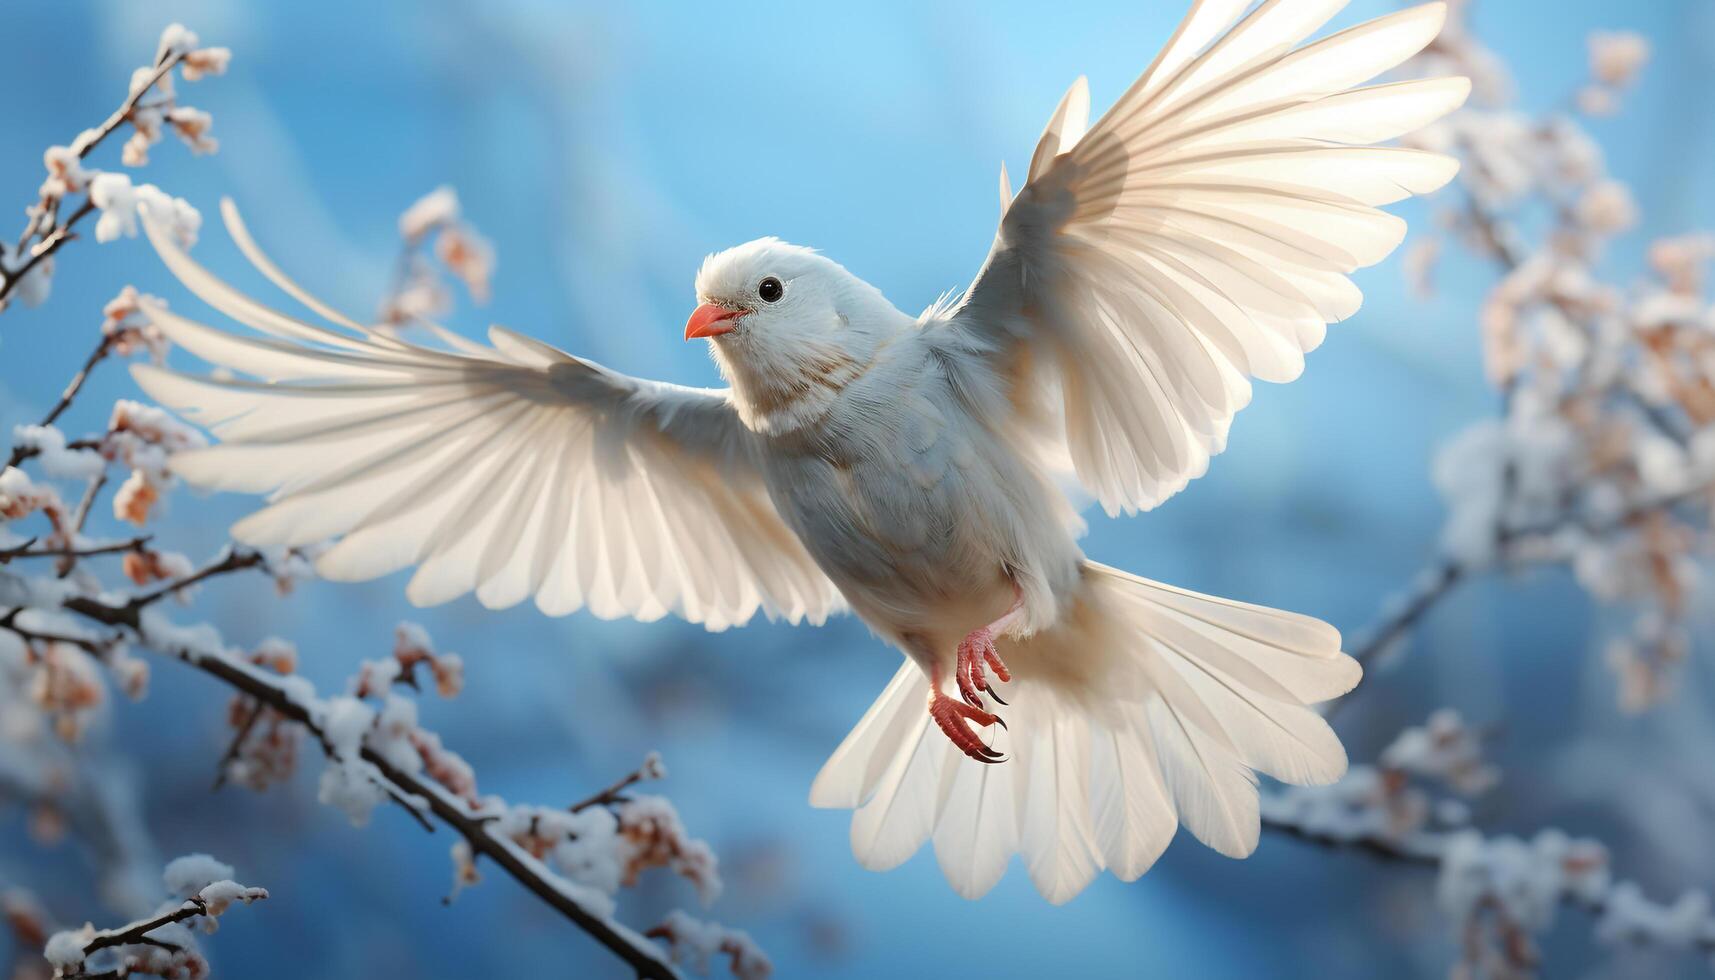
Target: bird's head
[[788, 327]]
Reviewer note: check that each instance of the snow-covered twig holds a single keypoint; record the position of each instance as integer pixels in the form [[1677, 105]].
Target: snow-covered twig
[[29, 550], [60, 631], [157, 944], [1499, 892], [23, 451], [27, 267], [293, 700], [1602, 457], [1510, 885], [652, 768]]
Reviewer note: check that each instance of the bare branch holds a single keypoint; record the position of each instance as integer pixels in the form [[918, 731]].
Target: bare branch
[[26, 550]]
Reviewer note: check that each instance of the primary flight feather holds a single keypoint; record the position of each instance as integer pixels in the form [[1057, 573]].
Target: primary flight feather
[[1198, 235]]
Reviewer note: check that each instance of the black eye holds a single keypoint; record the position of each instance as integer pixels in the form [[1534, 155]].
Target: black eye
[[770, 290]]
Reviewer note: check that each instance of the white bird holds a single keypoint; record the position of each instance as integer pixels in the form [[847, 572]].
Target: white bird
[[1198, 235]]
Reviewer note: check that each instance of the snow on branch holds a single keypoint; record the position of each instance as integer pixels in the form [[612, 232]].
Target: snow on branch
[[150, 108], [1602, 456], [74, 605], [67, 634], [161, 944], [1499, 893]]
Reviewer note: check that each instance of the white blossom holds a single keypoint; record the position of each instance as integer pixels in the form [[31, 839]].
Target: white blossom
[[1607, 208], [434, 209], [1616, 57]]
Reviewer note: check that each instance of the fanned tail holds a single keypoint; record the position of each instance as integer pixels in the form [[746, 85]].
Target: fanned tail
[[1146, 707]]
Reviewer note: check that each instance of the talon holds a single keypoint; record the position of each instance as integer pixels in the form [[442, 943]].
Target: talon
[[968, 691], [967, 671], [955, 718]]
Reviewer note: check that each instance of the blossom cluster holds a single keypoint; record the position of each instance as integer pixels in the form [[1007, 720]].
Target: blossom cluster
[[1419, 786], [1603, 457], [1500, 894], [419, 293], [81, 612], [161, 944], [151, 109], [1601, 461]]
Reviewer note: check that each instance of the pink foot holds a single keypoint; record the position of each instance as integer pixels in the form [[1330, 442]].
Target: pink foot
[[976, 651], [951, 715]]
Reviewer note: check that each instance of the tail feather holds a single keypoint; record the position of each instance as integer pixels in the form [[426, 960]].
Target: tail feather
[[1213, 792], [1055, 833], [1209, 692], [1135, 818], [977, 832], [895, 822], [855, 769]]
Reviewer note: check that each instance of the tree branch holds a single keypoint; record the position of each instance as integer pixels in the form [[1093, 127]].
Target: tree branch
[[137, 933], [235, 560], [1425, 854], [60, 233], [26, 550], [410, 790], [96, 356], [1428, 850]]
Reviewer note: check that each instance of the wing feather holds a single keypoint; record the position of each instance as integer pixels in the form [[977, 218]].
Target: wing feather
[[510, 470], [1201, 233]]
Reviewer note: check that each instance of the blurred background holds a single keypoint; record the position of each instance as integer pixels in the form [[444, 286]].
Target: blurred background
[[604, 149]]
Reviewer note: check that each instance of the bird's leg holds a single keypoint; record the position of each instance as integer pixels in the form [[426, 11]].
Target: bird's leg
[[977, 648], [952, 714]]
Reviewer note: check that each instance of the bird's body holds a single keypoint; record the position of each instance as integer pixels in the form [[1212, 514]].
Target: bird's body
[[923, 471], [919, 510]]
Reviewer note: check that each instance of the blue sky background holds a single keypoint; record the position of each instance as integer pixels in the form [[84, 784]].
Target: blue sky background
[[605, 148]]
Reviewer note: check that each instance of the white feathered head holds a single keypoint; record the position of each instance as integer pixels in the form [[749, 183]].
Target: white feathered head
[[788, 327]]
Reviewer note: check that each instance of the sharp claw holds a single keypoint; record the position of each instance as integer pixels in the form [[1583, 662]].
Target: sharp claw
[[956, 716], [983, 753]]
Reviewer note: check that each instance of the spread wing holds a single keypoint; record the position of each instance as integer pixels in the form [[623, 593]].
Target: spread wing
[[515, 470], [1200, 234]]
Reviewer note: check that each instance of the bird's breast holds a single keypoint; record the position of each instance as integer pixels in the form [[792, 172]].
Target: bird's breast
[[898, 507]]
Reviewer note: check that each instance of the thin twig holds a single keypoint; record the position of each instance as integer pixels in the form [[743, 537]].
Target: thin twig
[[237, 744], [1423, 850], [1425, 853], [26, 550], [163, 67], [60, 233], [137, 933], [90, 493], [9, 623], [50, 243], [613, 794], [235, 560]]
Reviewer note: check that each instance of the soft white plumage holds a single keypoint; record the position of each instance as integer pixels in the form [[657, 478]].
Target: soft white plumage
[[1196, 236]]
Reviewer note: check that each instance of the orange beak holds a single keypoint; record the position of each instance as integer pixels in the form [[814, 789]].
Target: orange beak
[[710, 320]]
